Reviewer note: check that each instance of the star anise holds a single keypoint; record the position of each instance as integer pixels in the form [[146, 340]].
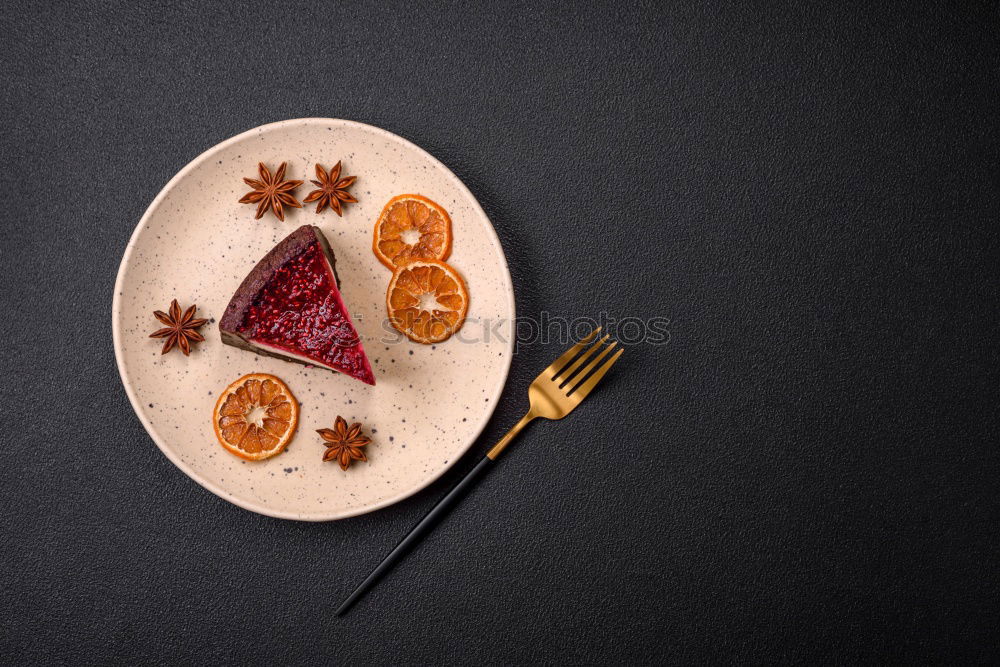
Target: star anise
[[332, 190], [273, 192], [343, 444], [180, 329]]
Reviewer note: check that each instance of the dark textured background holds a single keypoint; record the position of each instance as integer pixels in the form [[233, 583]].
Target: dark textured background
[[807, 471]]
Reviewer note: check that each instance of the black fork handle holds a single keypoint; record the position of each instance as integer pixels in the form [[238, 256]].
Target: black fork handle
[[433, 517]]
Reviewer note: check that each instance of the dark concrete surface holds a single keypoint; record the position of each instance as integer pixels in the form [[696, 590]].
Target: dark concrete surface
[[806, 472]]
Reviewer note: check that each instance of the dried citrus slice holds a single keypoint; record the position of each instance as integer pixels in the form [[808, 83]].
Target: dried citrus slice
[[411, 227], [255, 416], [427, 300]]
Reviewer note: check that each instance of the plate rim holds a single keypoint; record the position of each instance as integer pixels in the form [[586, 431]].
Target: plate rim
[[116, 305]]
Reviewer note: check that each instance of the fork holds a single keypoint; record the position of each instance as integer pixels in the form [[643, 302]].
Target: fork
[[554, 394]]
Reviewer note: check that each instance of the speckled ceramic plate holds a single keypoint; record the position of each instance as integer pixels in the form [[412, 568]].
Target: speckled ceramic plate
[[195, 243]]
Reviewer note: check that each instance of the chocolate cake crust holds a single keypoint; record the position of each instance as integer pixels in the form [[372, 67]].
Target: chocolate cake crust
[[289, 248]]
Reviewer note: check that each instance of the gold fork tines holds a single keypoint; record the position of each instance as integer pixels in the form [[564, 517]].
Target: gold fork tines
[[563, 385]]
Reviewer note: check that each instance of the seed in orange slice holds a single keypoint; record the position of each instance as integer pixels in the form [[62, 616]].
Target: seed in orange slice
[[411, 227], [427, 300], [255, 417]]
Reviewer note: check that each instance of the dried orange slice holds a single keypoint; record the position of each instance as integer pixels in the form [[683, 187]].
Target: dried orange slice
[[255, 416], [427, 300], [411, 227]]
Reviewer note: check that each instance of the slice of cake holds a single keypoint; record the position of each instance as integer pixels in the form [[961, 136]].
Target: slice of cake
[[290, 307]]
